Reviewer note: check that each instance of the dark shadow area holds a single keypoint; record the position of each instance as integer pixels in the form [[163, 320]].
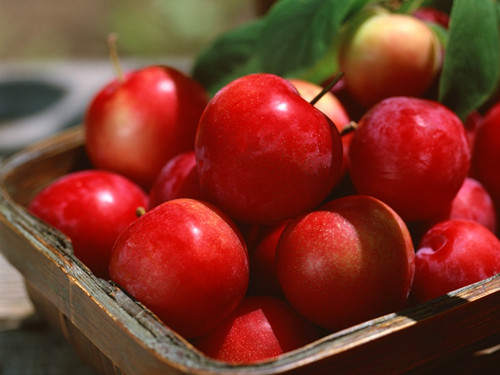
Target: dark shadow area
[[20, 98], [34, 348]]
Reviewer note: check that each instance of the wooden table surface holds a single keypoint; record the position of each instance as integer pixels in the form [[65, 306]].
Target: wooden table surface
[[28, 346]]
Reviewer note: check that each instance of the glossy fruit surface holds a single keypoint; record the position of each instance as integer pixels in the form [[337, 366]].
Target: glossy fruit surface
[[265, 154], [331, 106], [451, 255], [473, 202], [177, 179], [486, 156], [387, 54], [260, 328], [411, 153], [328, 104], [348, 261], [92, 208], [134, 127], [186, 261]]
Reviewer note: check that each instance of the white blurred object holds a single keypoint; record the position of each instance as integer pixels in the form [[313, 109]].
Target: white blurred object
[[15, 304], [77, 81]]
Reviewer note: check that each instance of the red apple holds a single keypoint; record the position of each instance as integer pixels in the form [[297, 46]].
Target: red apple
[[92, 208], [135, 125], [434, 15], [330, 105], [177, 179], [411, 153], [473, 202], [384, 54], [354, 108], [346, 262], [265, 154], [260, 328], [486, 156], [451, 255], [185, 260]]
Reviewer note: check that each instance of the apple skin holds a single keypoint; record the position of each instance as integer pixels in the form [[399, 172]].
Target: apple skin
[[411, 153], [486, 155], [353, 107], [348, 261], [331, 106], [177, 179], [265, 154], [134, 127], [92, 208], [263, 278], [185, 261], [385, 54], [260, 328], [472, 202], [328, 104], [433, 15], [453, 254]]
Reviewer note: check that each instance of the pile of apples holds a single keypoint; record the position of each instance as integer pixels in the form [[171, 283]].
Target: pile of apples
[[276, 211]]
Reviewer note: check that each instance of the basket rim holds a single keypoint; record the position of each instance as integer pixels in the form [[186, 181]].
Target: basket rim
[[137, 322]]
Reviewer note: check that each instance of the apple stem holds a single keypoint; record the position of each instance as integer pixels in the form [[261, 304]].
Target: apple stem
[[349, 128], [327, 88], [140, 211], [114, 56]]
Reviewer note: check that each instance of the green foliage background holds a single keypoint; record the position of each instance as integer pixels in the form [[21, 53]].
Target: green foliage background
[[300, 39]]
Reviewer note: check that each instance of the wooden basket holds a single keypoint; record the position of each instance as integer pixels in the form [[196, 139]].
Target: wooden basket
[[116, 335]]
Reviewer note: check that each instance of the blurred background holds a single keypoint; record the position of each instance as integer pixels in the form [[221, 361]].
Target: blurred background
[[147, 28], [54, 54], [53, 59]]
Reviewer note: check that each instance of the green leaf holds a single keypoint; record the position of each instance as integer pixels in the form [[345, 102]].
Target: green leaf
[[440, 32], [229, 56], [471, 67], [357, 6], [294, 37], [297, 33], [327, 66]]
